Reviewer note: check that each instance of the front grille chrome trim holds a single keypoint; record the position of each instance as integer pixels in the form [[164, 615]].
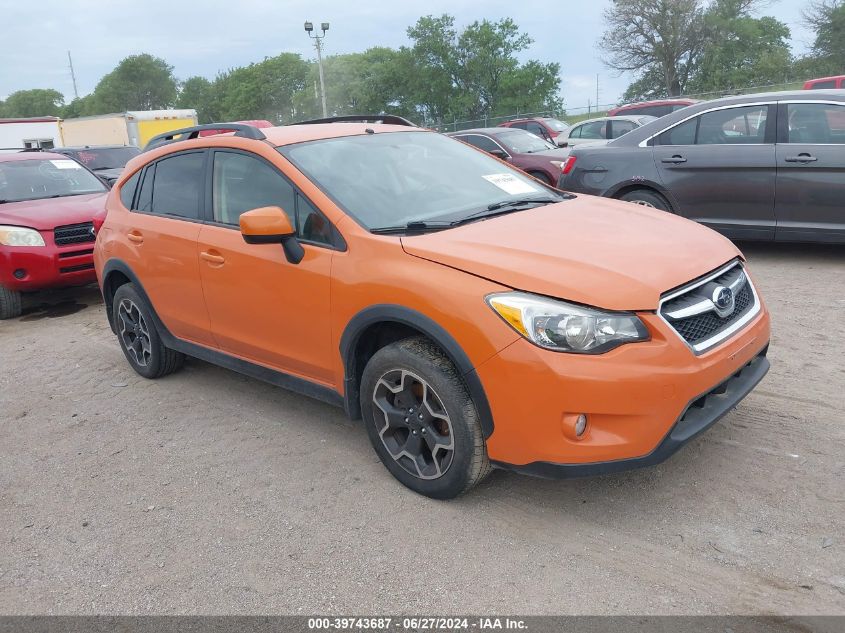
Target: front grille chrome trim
[[703, 346]]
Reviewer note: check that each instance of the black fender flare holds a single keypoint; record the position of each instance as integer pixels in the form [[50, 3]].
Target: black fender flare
[[118, 265], [390, 313]]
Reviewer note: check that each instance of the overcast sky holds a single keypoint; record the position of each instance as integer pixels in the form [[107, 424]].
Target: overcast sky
[[204, 37]]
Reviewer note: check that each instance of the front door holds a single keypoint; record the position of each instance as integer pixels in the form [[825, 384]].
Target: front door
[[810, 198], [720, 169], [263, 308]]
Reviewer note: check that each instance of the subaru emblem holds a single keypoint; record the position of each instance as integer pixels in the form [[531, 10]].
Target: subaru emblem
[[723, 301]]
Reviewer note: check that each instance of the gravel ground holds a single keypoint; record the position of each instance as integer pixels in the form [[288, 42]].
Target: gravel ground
[[211, 493]]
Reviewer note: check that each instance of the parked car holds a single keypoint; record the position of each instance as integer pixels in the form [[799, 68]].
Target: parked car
[[657, 108], [48, 204], [547, 128], [107, 161], [472, 316], [522, 149], [825, 83], [765, 166], [601, 130]]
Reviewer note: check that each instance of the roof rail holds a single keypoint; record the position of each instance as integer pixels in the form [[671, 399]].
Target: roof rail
[[184, 134], [23, 149], [388, 119]]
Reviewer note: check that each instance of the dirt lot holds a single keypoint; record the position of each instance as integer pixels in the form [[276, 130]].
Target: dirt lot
[[207, 492]]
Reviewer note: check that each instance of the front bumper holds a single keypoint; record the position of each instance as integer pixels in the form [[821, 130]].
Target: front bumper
[[698, 416], [47, 266]]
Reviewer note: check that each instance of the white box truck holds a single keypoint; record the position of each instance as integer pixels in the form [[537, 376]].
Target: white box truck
[[31, 133]]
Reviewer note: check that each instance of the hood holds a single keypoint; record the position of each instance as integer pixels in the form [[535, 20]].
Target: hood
[[599, 252], [47, 214]]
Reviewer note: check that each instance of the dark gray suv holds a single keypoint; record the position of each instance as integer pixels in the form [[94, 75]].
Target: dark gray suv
[[764, 166]]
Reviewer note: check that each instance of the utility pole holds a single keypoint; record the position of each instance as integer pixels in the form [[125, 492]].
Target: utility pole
[[318, 44], [72, 76], [597, 92]]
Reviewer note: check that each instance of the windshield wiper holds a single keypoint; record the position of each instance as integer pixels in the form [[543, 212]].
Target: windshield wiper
[[412, 227], [503, 207]]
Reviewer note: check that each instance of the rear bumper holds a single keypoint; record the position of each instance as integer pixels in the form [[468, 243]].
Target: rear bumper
[[46, 267], [698, 416]]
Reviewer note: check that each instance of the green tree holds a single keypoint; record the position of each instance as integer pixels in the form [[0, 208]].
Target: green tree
[[81, 106], [32, 103], [827, 19], [200, 94], [139, 82]]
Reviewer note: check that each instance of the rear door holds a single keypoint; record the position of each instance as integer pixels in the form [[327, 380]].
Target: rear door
[[263, 308], [720, 169], [810, 197], [161, 235]]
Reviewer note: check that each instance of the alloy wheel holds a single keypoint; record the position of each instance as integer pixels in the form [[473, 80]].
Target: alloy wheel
[[414, 426], [133, 332]]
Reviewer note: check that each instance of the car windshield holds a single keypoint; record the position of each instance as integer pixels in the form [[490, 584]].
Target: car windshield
[[556, 125], [95, 158], [45, 178], [394, 178], [522, 142]]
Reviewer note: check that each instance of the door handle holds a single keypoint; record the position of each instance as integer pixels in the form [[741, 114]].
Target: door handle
[[135, 236], [213, 258], [674, 160], [801, 158]]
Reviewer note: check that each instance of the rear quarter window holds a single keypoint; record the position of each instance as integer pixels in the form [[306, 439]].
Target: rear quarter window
[[127, 191]]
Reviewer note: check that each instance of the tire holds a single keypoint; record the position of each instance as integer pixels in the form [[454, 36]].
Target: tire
[[458, 459], [10, 303], [138, 337], [539, 175], [647, 199]]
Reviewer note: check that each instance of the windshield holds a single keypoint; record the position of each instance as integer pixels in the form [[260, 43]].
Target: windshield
[[45, 178], [521, 142], [556, 125], [394, 178], [95, 158]]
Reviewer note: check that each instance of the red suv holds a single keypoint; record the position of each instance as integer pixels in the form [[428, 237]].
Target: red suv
[[48, 205], [825, 83], [547, 128], [658, 108]]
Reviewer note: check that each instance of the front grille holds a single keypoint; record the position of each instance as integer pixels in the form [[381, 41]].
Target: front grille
[[74, 234], [66, 254], [76, 269], [693, 314]]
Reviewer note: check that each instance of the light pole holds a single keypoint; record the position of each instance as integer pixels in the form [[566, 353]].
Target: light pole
[[318, 44]]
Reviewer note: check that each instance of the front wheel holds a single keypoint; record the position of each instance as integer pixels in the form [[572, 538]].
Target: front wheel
[[10, 303], [421, 420]]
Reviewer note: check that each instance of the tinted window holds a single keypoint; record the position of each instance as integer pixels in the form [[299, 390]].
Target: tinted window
[[536, 128], [596, 130], [242, 183], [144, 201], [816, 123], [823, 85], [733, 126], [127, 191], [522, 125], [481, 142], [683, 134], [178, 185], [657, 110], [311, 225], [618, 128], [104, 157]]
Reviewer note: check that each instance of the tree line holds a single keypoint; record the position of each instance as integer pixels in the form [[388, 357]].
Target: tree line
[[677, 47], [445, 73]]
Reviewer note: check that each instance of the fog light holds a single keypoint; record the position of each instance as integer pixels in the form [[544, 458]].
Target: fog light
[[20, 273], [580, 425]]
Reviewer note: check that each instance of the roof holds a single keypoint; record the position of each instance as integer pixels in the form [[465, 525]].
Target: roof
[[17, 156], [290, 134], [35, 119]]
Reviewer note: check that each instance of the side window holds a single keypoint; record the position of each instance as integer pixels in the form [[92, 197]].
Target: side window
[[178, 185], [311, 225], [596, 129], [733, 126], [522, 125], [823, 85], [242, 183], [575, 132], [127, 191], [144, 202], [536, 128], [817, 123], [482, 142], [618, 128], [683, 134]]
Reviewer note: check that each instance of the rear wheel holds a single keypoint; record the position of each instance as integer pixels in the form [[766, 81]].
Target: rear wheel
[[421, 420], [647, 198], [138, 337], [10, 303]]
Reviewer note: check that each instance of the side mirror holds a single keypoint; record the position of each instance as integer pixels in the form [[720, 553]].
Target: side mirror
[[271, 225], [498, 153]]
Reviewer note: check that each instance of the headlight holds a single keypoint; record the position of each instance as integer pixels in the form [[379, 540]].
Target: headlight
[[564, 327], [19, 236]]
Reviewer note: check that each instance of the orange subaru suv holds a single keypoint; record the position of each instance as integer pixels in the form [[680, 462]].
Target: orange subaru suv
[[471, 316]]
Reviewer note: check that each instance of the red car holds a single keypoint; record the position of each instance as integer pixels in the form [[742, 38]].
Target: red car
[[546, 128], [658, 108], [523, 150], [48, 207], [825, 83]]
